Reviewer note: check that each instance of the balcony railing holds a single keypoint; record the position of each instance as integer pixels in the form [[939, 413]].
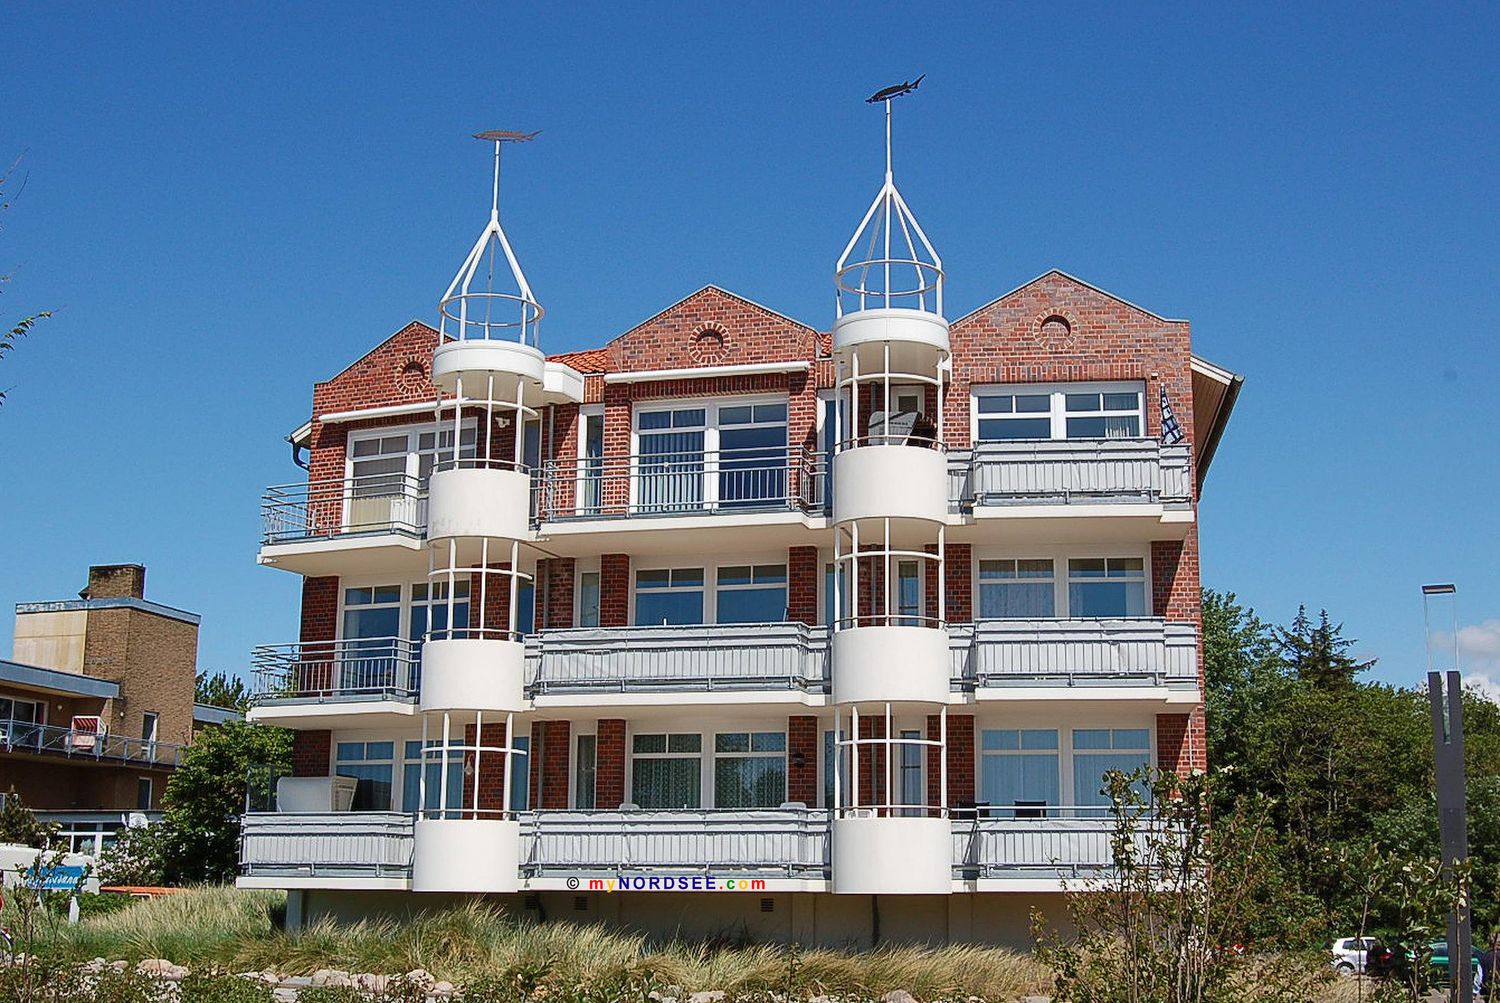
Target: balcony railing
[[1070, 471], [1145, 652], [742, 656], [50, 740], [326, 844], [345, 507], [771, 842], [679, 483], [377, 668], [1061, 847]]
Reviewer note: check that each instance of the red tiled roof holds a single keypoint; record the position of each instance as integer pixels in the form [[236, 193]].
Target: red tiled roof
[[589, 361]]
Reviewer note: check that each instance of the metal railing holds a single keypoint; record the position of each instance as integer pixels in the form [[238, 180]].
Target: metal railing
[[1060, 845], [743, 656], [680, 483], [1147, 651], [344, 507], [781, 842], [1066, 471], [51, 740], [326, 844], [377, 668]]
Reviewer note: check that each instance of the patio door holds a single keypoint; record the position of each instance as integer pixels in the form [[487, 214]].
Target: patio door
[[671, 444]]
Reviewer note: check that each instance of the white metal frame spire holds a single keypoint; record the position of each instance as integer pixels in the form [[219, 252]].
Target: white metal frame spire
[[889, 214], [480, 312]]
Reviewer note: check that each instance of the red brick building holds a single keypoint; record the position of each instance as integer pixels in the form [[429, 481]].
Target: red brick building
[[855, 616]]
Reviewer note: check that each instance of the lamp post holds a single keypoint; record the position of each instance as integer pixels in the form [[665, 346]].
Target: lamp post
[[1447, 703]]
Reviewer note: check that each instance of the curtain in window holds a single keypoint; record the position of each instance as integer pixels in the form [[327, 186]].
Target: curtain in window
[[671, 460], [666, 783], [749, 781]]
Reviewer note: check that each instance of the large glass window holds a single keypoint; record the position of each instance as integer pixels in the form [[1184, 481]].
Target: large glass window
[[751, 593], [1016, 589], [1097, 751], [370, 763], [671, 460], [588, 599], [1064, 411], [1018, 772], [429, 610], [591, 463], [913, 792], [1106, 587], [668, 596], [584, 772], [909, 592], [20, 721], [520, 774], [749, 769], [752, 454], [386, 469], [666, 771], [412, 769], [372, 626]]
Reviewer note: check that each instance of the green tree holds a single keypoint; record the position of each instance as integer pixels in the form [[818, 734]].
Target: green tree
[[19, 824], [22, 327], [222, 690], [1319, 654], [206, 797]]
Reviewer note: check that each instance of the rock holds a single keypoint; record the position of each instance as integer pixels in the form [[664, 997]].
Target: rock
[[707, 996], [442, 988], [1036, 999], [297, 981], [898, 996], [332, 977], [421, 978], [161, 968], [118, 967], [284, 994], [366, 982]]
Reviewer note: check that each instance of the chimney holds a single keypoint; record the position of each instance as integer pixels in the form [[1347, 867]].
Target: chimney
[[116, 581]]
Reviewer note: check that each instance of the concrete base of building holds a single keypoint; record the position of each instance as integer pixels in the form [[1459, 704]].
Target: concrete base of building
[[805, 918]]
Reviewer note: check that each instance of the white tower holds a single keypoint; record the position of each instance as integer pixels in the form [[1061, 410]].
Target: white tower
[[890, 644], [489, 364]]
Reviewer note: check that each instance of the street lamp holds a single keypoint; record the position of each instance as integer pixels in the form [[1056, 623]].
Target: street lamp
[[1447, 703]]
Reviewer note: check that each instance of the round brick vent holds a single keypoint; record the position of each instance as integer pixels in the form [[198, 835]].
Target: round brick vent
[[413, 372], [708, 344], [1055, 331]]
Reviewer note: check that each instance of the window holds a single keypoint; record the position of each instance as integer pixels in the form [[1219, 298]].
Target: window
[[434, 444], [666, 771], [1018, 772], [370, 764], [372, 623], [20, 721], [411, 779], [591, 464], [430, 606], [386, 468], [1064, 411], [588, 599], [1103, 415], [831, 586], [752, 454], [1097, 751], [520, 786], [669, 596], [751, 594], [671, 447], [909, 592], [913, 793], [749, 769], [1106, 587], [1016, 589], [143, 793], [711, 455], [584, 772]]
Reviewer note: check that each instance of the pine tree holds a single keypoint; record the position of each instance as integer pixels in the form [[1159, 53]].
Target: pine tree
[[1319, 654]]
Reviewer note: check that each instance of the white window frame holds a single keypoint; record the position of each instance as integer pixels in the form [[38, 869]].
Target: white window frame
[[710, 568], [1145, 583], [714, 755], [1057, 412], [396, 762], [1060, 556], [580, 569], [705, 779], [581, 480], [573, 764], [413, 434], [979, 583], [710, 407], [1078, 718], [1048, 811]]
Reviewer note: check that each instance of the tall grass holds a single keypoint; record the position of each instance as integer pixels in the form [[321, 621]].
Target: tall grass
[[238, 930]]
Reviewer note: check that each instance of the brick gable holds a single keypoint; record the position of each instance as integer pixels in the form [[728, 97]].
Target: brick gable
[[712, 327]]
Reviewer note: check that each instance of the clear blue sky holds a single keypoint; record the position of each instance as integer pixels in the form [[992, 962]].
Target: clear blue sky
[[225, 205]]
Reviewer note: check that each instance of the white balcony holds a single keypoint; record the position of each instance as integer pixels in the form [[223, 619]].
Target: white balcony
[[1034, 854], [1081, 655], [326, 849], [344, 525], [323, 683], [765, 843], [723, 657]]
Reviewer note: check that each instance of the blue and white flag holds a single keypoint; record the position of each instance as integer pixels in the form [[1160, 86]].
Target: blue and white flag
[[1171, 432]]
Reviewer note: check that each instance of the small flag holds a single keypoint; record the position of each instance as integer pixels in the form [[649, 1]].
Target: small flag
[[1171, 432]]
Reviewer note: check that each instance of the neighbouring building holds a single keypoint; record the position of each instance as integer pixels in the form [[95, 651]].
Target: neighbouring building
[[847, 621], [96, 704]]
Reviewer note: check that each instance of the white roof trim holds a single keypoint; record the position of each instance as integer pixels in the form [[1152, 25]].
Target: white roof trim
[[1212, 371], [425, 407], [708, 372], [302, 436], [1082, 282]]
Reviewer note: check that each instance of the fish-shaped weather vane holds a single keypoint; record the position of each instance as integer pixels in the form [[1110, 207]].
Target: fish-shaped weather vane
[[895, 90]]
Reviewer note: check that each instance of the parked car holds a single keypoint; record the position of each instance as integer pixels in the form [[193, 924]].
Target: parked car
[[1351, 954], [1397, 962]]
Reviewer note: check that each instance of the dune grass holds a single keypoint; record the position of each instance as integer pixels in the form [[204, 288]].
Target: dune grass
[[238, 930]]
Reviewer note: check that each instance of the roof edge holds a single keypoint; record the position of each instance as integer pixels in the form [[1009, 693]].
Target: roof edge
[[1072, 278]]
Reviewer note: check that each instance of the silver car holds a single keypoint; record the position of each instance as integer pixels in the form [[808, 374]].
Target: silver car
[[1350, 954]]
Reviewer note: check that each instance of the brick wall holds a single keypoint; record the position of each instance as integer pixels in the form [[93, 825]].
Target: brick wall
[[1181, 742], [614, 590], [802, 738], [550, 744], [312, 753], [609, 760], [802, 585], [958, 571], [871, 761], [154, 658], [960, 760], [490, 777], [555, 592]]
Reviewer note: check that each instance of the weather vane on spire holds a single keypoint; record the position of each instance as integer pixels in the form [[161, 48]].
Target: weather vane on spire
[[886, 94], [498, 136]]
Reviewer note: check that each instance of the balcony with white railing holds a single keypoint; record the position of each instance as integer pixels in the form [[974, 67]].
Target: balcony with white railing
[[86, 745], [764, 843], [719, 657], [322, 845], [1061, 472], [349, 670], [1052, 844], [688, 483], [312, 528], [1135, 652]]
